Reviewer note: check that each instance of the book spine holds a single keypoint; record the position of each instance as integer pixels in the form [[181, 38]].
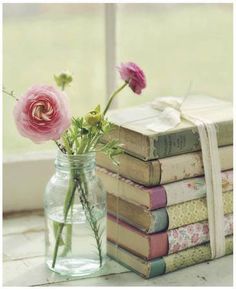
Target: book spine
[[158, 245], [120, 186], [158, 198], [157, 268], [146, 269], [168, 263], [173, 144], [181, 142], [159, 221]]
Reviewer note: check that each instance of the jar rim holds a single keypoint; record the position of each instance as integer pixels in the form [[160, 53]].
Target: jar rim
[[91, 153], [84, 160]]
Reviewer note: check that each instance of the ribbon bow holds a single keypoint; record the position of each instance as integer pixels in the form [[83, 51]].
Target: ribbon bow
[[170, 115]]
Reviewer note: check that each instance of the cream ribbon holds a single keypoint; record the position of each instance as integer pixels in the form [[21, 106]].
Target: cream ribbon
[[170, 117]]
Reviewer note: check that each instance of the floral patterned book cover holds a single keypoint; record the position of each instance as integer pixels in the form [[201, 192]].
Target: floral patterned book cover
[[161, 195], [164, 243]]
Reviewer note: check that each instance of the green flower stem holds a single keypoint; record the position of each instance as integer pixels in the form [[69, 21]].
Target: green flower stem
[[82, 146], [66, 144], [91, 142], [88, 209], [68, 203], [86, 149], [68, 194], [61, 226], [68, 239], [60, 147], [11, 94], [76, 145], [113, 96]]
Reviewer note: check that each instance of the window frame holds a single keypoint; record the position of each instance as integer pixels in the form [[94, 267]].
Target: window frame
[[18, 193]]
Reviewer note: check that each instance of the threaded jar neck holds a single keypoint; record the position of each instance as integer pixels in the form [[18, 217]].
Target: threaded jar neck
[[85, 162]]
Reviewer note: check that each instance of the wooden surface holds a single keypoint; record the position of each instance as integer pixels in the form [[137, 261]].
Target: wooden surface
[[23, 263]]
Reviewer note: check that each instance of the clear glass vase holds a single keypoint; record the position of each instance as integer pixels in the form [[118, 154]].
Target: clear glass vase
[[75, 213]]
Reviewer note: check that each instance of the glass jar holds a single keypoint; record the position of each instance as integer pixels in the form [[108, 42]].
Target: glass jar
[[75, 212]]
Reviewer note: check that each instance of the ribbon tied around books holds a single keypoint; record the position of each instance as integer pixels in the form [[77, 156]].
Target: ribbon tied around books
[[171, 114], [172, 111]]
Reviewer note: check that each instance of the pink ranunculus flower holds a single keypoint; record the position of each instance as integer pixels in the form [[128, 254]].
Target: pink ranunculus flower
[[42, 114], [134, 76]]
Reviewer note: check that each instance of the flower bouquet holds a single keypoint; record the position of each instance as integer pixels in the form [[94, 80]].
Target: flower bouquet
[[74, 200]]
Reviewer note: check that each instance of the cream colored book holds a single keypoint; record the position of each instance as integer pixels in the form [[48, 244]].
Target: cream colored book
[[164, 170], [167, 218], [164, 243], [166, 264], [161, 195], [132, 128]]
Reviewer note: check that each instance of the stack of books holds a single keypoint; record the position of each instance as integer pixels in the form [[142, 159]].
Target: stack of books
[[157, 209]]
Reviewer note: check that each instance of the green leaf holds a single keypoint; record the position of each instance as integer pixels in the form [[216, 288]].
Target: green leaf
[[112, 149]]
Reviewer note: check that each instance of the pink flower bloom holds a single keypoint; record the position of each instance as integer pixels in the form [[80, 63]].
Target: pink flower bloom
[[133, 75], [42, 114]]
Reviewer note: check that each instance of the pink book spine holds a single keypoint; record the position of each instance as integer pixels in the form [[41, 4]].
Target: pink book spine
[[157, 194], [158, 243]]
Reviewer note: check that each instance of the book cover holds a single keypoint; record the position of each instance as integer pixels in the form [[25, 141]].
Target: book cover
[[162, 219], [162, 195], [150, 246], [165, 170], [131, 128], [166, 264]]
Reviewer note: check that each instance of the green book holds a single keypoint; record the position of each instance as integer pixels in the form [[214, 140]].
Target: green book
[[131, 127]]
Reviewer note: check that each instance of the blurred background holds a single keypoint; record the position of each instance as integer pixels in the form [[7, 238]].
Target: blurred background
[[175, 44]]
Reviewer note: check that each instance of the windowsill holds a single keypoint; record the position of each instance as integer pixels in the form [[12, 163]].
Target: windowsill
[[24, 263], [24, 180], [23, 249], [29, 156]]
